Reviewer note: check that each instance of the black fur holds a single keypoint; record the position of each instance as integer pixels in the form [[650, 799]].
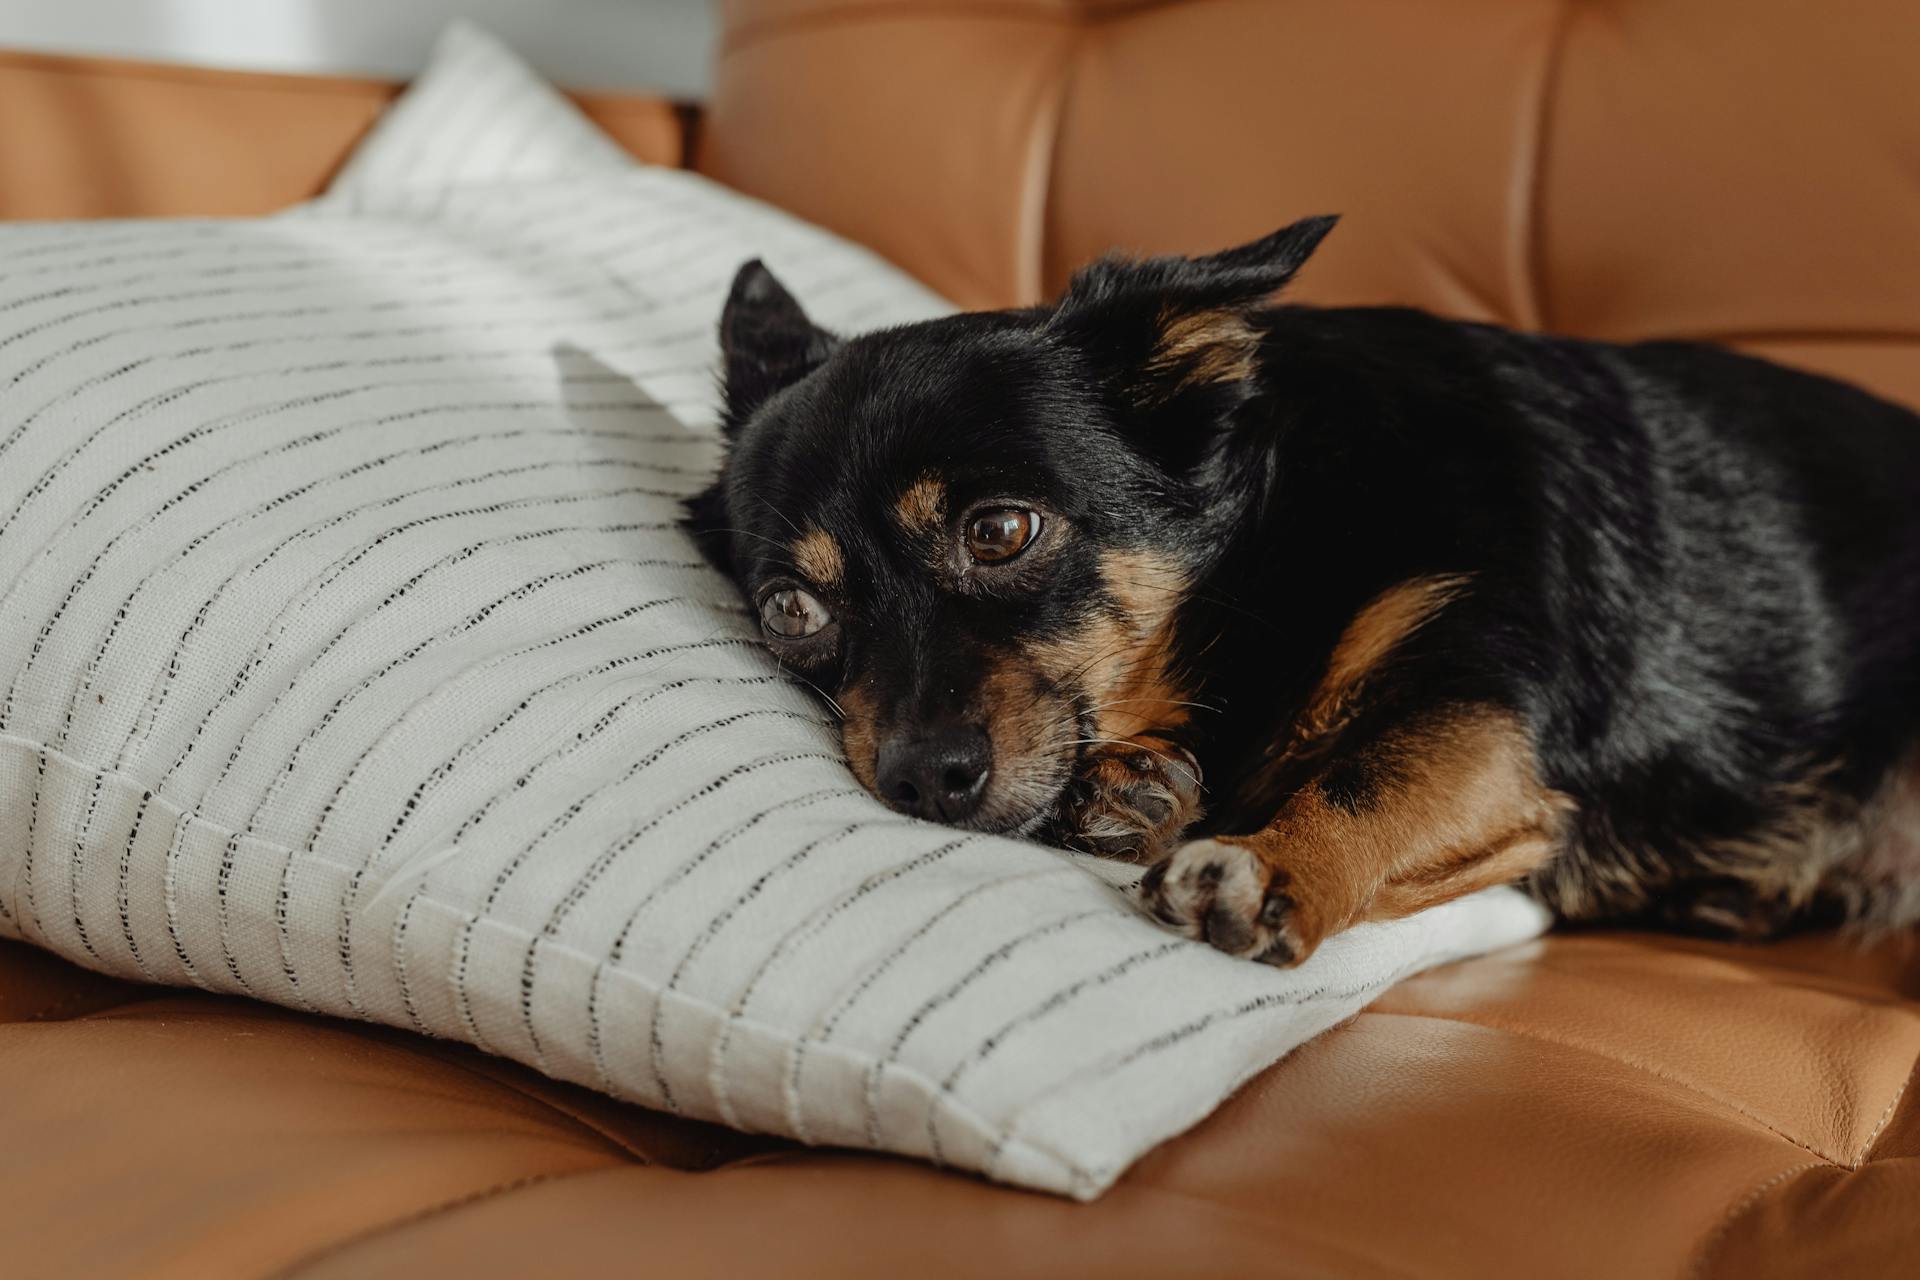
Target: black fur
[[1694, 576]]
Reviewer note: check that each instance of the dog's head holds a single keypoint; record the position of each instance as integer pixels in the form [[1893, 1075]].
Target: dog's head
[[974, 534]]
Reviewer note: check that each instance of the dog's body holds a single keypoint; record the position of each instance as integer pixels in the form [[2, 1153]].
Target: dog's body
[[1432, 605]]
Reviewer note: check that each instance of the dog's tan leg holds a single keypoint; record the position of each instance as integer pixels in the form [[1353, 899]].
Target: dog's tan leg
[[1448, 805]]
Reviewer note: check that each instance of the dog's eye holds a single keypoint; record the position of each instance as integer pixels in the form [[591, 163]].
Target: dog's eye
[[1001, 534], [793, 614]]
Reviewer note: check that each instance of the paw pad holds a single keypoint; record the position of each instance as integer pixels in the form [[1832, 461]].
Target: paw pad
[[1224, 895]]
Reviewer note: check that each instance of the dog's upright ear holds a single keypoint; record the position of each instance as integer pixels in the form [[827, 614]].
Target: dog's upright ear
[[766, 342], [1179, 335]]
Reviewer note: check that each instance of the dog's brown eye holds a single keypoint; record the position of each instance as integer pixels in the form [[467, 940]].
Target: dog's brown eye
[[793, 614], [1002, 533]]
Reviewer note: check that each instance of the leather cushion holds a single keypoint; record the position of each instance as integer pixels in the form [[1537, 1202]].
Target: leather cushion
[[104, 138], [1738, 170], [1596, 1105]]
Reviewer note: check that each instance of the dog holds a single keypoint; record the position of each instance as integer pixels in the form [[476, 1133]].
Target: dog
[[1430, 606]]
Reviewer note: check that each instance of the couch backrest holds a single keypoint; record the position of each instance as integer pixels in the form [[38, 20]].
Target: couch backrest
[[1742, 170], [106, 138]]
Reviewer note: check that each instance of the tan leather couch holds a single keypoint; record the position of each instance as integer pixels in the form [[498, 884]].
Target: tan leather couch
[[1604, 1105]]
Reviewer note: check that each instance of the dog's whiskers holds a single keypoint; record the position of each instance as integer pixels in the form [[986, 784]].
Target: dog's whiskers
[[785, 670], [1163, 757], [1162, 702], [781, 514], [748, 533]]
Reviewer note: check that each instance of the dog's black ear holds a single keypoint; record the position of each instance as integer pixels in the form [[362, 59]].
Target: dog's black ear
[[1167, 330], [766, 342]]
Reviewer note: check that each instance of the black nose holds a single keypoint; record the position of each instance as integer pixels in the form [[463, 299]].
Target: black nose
[[937, 772]]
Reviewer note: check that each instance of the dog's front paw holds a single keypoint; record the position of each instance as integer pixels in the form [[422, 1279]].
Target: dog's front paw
[[1224, 894], [1131, 800]]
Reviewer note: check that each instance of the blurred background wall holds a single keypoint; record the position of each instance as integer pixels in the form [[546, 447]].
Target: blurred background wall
[[663, 45]]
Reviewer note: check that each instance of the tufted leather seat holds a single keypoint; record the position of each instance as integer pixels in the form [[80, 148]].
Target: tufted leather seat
[[1595, 1104], [1738, 170]]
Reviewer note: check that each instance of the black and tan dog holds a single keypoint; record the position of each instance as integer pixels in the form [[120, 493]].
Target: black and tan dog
[[1430, 605]]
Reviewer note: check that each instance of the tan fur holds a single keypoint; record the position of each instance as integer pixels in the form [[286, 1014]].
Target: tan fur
[[1879, 886], [1781, 863], [1205, 346], [1466, 810], [1030, 731], [1150, 697], [921, 507], [1123, 658], [1865, 858], [817, 555], [860, 733], [1120, 662], [1375, 632]]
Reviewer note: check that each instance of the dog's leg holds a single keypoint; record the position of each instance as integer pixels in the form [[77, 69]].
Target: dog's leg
[[1132, 798], [1445, 804]]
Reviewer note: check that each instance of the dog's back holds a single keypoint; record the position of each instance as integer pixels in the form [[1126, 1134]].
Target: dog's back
[[1730, 578], [1818, 484]]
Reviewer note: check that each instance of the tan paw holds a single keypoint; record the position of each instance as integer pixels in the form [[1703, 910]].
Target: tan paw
[[1224, 895], [1131, 800]]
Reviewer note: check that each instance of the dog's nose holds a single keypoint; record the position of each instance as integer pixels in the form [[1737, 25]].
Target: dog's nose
[[937, 772]]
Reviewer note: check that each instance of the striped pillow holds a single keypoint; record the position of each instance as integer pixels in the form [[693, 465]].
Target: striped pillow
[[353, 660]]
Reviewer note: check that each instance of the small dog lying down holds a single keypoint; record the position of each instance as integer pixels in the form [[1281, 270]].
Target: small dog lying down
[[1431, 606]]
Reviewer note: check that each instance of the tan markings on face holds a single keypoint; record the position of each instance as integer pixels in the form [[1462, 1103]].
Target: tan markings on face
[[1200, 347], [1463, 809], [1375, 632], [1029, 729], [1122, 659], [817, 555], [860, 734], [921, 507]]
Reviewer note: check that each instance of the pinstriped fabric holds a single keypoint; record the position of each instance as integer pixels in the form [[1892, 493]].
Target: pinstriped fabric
[[351, 658]]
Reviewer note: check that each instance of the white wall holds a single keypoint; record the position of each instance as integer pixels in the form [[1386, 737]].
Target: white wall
[[629, 44]]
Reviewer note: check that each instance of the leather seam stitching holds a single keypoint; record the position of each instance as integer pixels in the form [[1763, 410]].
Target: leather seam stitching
[[1712, 1240], [1866, 1148], [1645, 1068], [494, 1191]]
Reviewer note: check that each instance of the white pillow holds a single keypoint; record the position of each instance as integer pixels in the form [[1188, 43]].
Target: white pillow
[[353, 660]]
